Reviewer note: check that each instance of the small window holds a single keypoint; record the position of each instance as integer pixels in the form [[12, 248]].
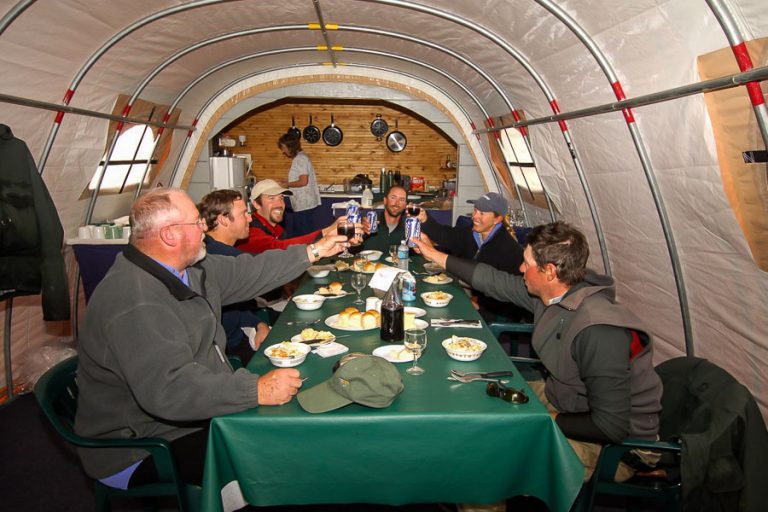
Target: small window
[[128, 163], [521, 164]]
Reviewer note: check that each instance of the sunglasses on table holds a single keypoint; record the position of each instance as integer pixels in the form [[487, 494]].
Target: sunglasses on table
[[511, 395]]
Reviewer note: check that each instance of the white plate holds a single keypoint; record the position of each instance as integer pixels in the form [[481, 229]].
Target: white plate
[[417, 312], [298, 339], [420, 324], [329, 297], [331, 322], [444, 281], [389, 260], [389, 352]]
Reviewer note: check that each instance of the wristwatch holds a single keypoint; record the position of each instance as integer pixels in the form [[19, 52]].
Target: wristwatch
[[315, 252]]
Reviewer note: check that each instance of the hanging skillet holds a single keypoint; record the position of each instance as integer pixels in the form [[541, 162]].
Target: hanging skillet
[[379, 127], [293, 130], [332, 134], [396, 140], [311, 132]]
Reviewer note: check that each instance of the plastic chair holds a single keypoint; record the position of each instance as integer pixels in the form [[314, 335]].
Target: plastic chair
[[532, 368], [56, 393]]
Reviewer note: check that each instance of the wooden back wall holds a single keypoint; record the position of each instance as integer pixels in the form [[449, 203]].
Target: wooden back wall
[[359, 152]]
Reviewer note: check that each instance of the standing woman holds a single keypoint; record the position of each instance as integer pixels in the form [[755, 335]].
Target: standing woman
[[303, 183]]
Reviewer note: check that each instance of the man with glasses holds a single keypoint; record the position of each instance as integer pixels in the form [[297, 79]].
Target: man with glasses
[[391, 228], [151, 350], [601, 387], [226, 217]]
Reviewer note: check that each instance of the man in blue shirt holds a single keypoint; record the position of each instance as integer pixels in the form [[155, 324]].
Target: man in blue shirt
[[227, 218]]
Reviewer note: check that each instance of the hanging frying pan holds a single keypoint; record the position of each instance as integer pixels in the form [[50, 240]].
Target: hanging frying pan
[[396, 140], [332, 134], [311, 132], [293, 130], [379, 127]]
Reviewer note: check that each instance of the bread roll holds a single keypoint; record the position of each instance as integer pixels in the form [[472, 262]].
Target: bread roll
[[369, 267], [369, 321], [375, 313], [356, 320], [409, 320], [323, 290], [335, 287], [351, 309], [343, 320]]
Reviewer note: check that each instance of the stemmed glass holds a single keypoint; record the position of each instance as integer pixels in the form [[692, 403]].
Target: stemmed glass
[[347, 229], [358, 282], [412, 210], [416, 342]]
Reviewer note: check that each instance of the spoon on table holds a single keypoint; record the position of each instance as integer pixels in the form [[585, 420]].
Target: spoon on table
[[300, 322]]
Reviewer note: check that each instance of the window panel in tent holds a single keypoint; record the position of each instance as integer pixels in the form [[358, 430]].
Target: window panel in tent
[[128, 163], [520, 164]]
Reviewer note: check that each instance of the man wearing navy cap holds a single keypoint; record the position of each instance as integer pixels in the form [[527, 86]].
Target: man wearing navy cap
[[487, 241]]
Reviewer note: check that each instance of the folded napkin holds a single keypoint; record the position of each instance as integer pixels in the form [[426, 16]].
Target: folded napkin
[[251, 333], [448, 322], [344, 204], [330, 349]]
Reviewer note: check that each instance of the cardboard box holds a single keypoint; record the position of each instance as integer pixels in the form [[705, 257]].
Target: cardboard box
[[417, 183]]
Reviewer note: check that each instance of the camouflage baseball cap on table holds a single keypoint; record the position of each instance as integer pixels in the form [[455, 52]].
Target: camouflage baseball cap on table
[[366, 380]]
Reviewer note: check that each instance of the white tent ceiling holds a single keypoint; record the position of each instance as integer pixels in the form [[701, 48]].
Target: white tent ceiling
[[531, 52]]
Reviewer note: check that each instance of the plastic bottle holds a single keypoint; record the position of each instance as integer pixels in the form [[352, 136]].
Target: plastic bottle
[[392, 315], [408, 286], [402, 255], [367, 199]]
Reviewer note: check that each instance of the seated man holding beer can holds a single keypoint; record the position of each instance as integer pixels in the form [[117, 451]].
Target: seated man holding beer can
[[386, 227]]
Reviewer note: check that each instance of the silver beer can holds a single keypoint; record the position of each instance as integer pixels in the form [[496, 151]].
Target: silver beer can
[[412, 230], [373, 220]]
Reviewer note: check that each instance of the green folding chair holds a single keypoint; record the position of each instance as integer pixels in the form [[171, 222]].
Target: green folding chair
[[56, 393]]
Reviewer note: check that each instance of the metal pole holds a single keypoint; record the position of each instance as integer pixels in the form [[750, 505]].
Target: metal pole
[[14, 13], [739, 47], [715, 84], [16, 100], [324, 31]]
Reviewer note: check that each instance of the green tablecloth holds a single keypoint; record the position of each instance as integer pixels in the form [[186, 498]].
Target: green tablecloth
[[440, 441]]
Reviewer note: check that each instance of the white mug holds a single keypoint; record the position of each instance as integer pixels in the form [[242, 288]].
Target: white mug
[[126, 232], [373, 303], [97, 232], [83, 232]]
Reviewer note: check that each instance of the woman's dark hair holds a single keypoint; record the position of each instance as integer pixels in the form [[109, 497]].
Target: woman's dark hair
[[563, 246], [218, 202], [291, 142]]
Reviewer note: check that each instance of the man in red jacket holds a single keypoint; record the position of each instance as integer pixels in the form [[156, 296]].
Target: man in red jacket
[[267, 198]]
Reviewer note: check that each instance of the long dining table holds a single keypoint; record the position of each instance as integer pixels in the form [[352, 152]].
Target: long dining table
[[439, 442]]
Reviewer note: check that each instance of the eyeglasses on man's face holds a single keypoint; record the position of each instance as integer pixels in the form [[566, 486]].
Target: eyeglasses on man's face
[[511, 395], [200, 223]]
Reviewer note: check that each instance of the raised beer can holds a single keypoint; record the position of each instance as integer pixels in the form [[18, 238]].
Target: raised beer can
[[412, 230], [354, 217], [373, 220], [353, 209]]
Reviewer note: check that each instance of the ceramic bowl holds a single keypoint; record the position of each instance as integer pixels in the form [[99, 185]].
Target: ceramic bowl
[[287, 353], [431, 299], [308, 302], [372, 255], [464, 349], [318, 272]]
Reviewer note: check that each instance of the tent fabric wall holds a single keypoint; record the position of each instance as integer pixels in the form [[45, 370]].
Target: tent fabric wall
[[652, 45]]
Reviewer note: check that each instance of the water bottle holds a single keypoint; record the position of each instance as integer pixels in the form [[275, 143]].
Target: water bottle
[[402, 255], [392, 315], [408, 283], [367, 199]]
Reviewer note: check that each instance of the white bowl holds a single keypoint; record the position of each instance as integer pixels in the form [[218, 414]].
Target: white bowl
[[474, 351], [318, 272], [436, 303], [372, 255], [301, 350], [308, 302]]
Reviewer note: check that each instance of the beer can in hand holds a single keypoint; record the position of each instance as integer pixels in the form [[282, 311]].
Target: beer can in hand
[[412, 230], [352, 210], [373, 220]]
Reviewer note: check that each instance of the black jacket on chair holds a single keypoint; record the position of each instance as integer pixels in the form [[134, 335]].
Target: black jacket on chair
[[725, 442], [31, 235]]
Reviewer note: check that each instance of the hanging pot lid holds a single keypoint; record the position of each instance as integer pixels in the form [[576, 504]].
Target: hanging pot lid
[[379, 127], [312, 133], [293, 130], [396, 140], [332, 134]]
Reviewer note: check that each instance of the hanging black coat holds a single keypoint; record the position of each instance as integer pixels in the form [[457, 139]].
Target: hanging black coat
[[31, 235]]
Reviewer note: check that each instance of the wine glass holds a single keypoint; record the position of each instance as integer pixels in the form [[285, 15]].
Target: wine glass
[[393, 253], [416, 342], [412, 210], [358, 282], [347, 229]]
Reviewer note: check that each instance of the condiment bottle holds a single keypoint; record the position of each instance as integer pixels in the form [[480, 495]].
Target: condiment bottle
[[392, 315]]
